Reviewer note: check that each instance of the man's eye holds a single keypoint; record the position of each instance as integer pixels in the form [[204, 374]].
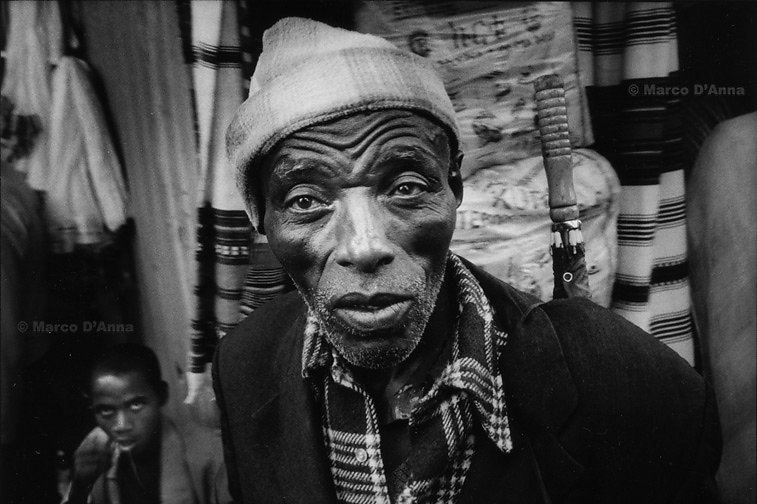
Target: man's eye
[[105, 411], [137, 405], [408, 187], [304, 202]]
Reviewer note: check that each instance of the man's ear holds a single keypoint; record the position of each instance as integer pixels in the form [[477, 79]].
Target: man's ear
[[259, 202], [261, 214], [261, 219], [455, 177]]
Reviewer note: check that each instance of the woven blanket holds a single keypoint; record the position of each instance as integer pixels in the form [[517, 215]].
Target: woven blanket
[[236, 271], [625, 50]]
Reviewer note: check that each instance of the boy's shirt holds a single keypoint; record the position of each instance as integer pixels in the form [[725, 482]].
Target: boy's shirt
[[139, 480], [176, 483]]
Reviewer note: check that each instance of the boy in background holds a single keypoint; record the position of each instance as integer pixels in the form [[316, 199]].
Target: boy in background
[[136, 454]]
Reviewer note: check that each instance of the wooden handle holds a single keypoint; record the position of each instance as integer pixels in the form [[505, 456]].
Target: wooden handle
[[552, 119]]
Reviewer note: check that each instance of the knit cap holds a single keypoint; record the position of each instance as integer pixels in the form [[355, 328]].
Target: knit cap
[[310, 73]]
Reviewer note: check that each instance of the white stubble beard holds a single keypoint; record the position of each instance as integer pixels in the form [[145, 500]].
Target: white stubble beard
[[424, 294]]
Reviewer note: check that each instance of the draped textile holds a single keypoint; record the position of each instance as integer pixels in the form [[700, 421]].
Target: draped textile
[[86, 191], [627, 54], [73, 159], [223, 231], [235, 269], [34, 43]]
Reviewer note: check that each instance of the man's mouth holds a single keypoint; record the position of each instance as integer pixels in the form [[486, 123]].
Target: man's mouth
[[126, 444], [373, 312]]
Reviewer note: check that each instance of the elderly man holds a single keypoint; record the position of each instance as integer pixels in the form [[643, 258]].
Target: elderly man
[[399, 372]]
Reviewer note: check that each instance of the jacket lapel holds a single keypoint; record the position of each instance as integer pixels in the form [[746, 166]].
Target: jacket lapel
[[495, 477], [287, 435], [541, 397]]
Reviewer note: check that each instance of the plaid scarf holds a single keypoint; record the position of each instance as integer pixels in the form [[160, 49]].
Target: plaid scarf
[[442, 424]]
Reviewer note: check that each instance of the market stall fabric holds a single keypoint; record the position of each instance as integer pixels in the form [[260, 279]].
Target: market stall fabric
[[235, 270], [626, 52], [73, 162]]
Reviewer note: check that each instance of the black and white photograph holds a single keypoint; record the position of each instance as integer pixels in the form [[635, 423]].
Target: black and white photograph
[[378, 252]]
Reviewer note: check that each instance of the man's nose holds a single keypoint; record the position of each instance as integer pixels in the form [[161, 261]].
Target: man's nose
[[361, 235], [123, 422]]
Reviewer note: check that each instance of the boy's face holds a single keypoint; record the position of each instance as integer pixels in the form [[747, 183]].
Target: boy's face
[[127, 408]]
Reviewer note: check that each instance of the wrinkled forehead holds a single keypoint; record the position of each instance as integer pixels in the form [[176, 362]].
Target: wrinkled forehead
[[384, 133]]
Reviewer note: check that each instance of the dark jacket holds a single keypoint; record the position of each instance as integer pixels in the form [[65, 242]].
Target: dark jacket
[[600, 411]]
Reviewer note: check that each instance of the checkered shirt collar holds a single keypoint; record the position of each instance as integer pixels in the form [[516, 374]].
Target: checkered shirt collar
[[468, 390]]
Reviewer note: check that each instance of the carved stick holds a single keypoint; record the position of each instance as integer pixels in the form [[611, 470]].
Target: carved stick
[[552, 118], [568, 263]]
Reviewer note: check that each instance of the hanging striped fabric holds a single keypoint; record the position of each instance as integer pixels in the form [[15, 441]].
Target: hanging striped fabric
[[626, 53]]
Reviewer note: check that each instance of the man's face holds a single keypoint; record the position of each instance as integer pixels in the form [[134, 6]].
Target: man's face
[[127, 408], [360, 212]]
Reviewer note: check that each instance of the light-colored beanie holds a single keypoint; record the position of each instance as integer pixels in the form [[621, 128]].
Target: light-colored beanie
[[309, 73]]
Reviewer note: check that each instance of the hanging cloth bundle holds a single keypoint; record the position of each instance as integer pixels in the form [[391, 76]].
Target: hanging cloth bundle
[[33, 45], [73, 159], [86, 194]]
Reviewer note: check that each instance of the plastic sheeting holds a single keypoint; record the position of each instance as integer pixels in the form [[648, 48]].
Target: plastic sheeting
[[503, 224], [489, 55]]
